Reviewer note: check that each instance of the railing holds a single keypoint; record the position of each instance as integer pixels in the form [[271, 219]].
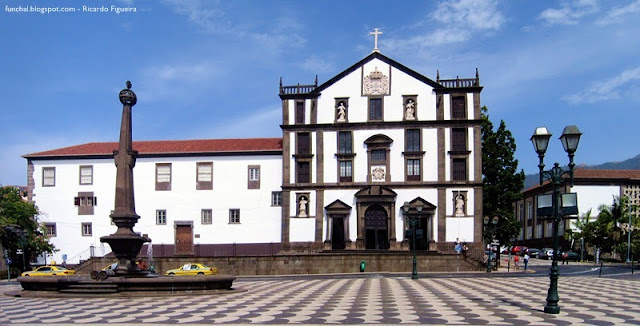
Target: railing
[[297, 89], [464, 82], [82, 256]]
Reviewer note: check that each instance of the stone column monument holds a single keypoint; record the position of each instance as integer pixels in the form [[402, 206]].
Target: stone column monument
[[125, 244]]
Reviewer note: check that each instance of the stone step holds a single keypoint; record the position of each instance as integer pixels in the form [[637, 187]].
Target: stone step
[[89, 291], [93, 286]]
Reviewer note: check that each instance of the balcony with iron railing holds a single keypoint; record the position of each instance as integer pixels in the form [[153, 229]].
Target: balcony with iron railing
[[459, 82], [297, 89]]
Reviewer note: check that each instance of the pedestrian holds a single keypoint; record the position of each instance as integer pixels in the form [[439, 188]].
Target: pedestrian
[[516, 262], [565, 258], [526, 260]]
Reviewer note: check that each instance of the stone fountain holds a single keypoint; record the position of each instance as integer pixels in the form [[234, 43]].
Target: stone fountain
[[126, 279]]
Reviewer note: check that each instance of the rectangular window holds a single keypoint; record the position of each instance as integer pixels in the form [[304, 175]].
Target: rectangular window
[[458, 139], [375, 109], [529, 233], [302, 172], [520, 212], [303, 143], [161, 217], [413, 170], [207, 216], [276, 198], [529, 210], [458, 107], [163, 176], [539, 231], [87, 229], [86, 174], [48, 176], [459, 169], [204, 176], [85, 202], [254, 174], [413, 140], [344, 142], [51, 229], [346, 171], [234, 216], [299, 112], [253, 177], [378, 156], [549, 233]]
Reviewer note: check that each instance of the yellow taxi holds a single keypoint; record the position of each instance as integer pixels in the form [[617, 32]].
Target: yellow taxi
[[49, 271], [192, 269]]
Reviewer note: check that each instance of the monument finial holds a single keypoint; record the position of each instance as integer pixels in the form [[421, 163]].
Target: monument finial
[[375, 34], [127, 96]]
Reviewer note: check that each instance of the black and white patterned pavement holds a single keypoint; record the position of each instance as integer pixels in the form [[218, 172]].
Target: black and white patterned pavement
[[365, 300]]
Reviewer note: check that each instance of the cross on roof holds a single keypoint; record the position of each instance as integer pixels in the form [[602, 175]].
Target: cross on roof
[[375, 34]]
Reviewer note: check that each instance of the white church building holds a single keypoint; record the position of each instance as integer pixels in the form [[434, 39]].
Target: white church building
[[353, 151]]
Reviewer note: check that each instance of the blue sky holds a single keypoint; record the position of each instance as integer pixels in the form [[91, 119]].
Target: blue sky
[[210, 69]]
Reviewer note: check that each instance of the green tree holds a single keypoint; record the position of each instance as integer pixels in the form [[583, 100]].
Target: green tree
[[19, 228], [501, 181], [607, 233]]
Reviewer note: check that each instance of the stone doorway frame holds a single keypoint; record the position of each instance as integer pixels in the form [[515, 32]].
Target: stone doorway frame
[[337, 209], [372, 196]]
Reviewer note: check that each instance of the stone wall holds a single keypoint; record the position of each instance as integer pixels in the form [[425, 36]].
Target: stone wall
[[311, 264]]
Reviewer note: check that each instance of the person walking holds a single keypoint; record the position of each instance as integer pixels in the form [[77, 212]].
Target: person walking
[[516, 262], [526, 261]]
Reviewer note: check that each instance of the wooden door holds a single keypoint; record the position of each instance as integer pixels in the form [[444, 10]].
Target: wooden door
[[184, 239]]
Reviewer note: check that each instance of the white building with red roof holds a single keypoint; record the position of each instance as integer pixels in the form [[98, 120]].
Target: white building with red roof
[[354, 151]]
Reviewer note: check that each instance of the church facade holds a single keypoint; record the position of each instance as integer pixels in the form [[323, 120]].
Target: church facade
[[360, 156]]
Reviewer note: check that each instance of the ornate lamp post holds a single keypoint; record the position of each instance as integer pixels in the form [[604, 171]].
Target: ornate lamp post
[[490, 229], [413, 223], [556, 175]]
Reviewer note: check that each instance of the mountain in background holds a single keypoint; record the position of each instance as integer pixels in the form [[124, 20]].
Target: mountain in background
[[630, 164]]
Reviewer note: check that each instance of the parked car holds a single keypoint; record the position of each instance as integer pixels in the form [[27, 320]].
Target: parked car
[[545, 253], [49, 271], [491, 255], [571, 255], [533, 252], [192, 269], [518, 250]]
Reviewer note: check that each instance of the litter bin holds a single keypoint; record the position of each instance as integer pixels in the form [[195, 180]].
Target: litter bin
[[363, 264]]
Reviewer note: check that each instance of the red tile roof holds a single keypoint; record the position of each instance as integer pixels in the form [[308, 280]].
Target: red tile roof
[[606, 174], [198, 146], [597, 175]]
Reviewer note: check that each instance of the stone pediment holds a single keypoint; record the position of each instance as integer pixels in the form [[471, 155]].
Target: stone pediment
[[427, 207], [338, 207], [378, 139], [376, 193]]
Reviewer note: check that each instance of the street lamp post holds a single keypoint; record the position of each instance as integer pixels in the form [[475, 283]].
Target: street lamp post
[[556, 175], [413, 222], [490, 229], [629, 232]]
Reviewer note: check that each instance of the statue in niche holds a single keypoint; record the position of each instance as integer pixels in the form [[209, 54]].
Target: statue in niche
[[302, 206], [342, 113], [459, 205], [410, 110]]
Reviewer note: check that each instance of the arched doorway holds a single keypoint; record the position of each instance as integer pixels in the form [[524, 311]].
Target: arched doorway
[[375, 224]]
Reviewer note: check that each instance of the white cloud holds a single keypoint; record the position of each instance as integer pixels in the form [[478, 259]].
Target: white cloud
[[318, 65], [211, 18], [627, 82], [264, 122], [457, 21], [614, 15], [207, 16], [184, 72], [569, 13]]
